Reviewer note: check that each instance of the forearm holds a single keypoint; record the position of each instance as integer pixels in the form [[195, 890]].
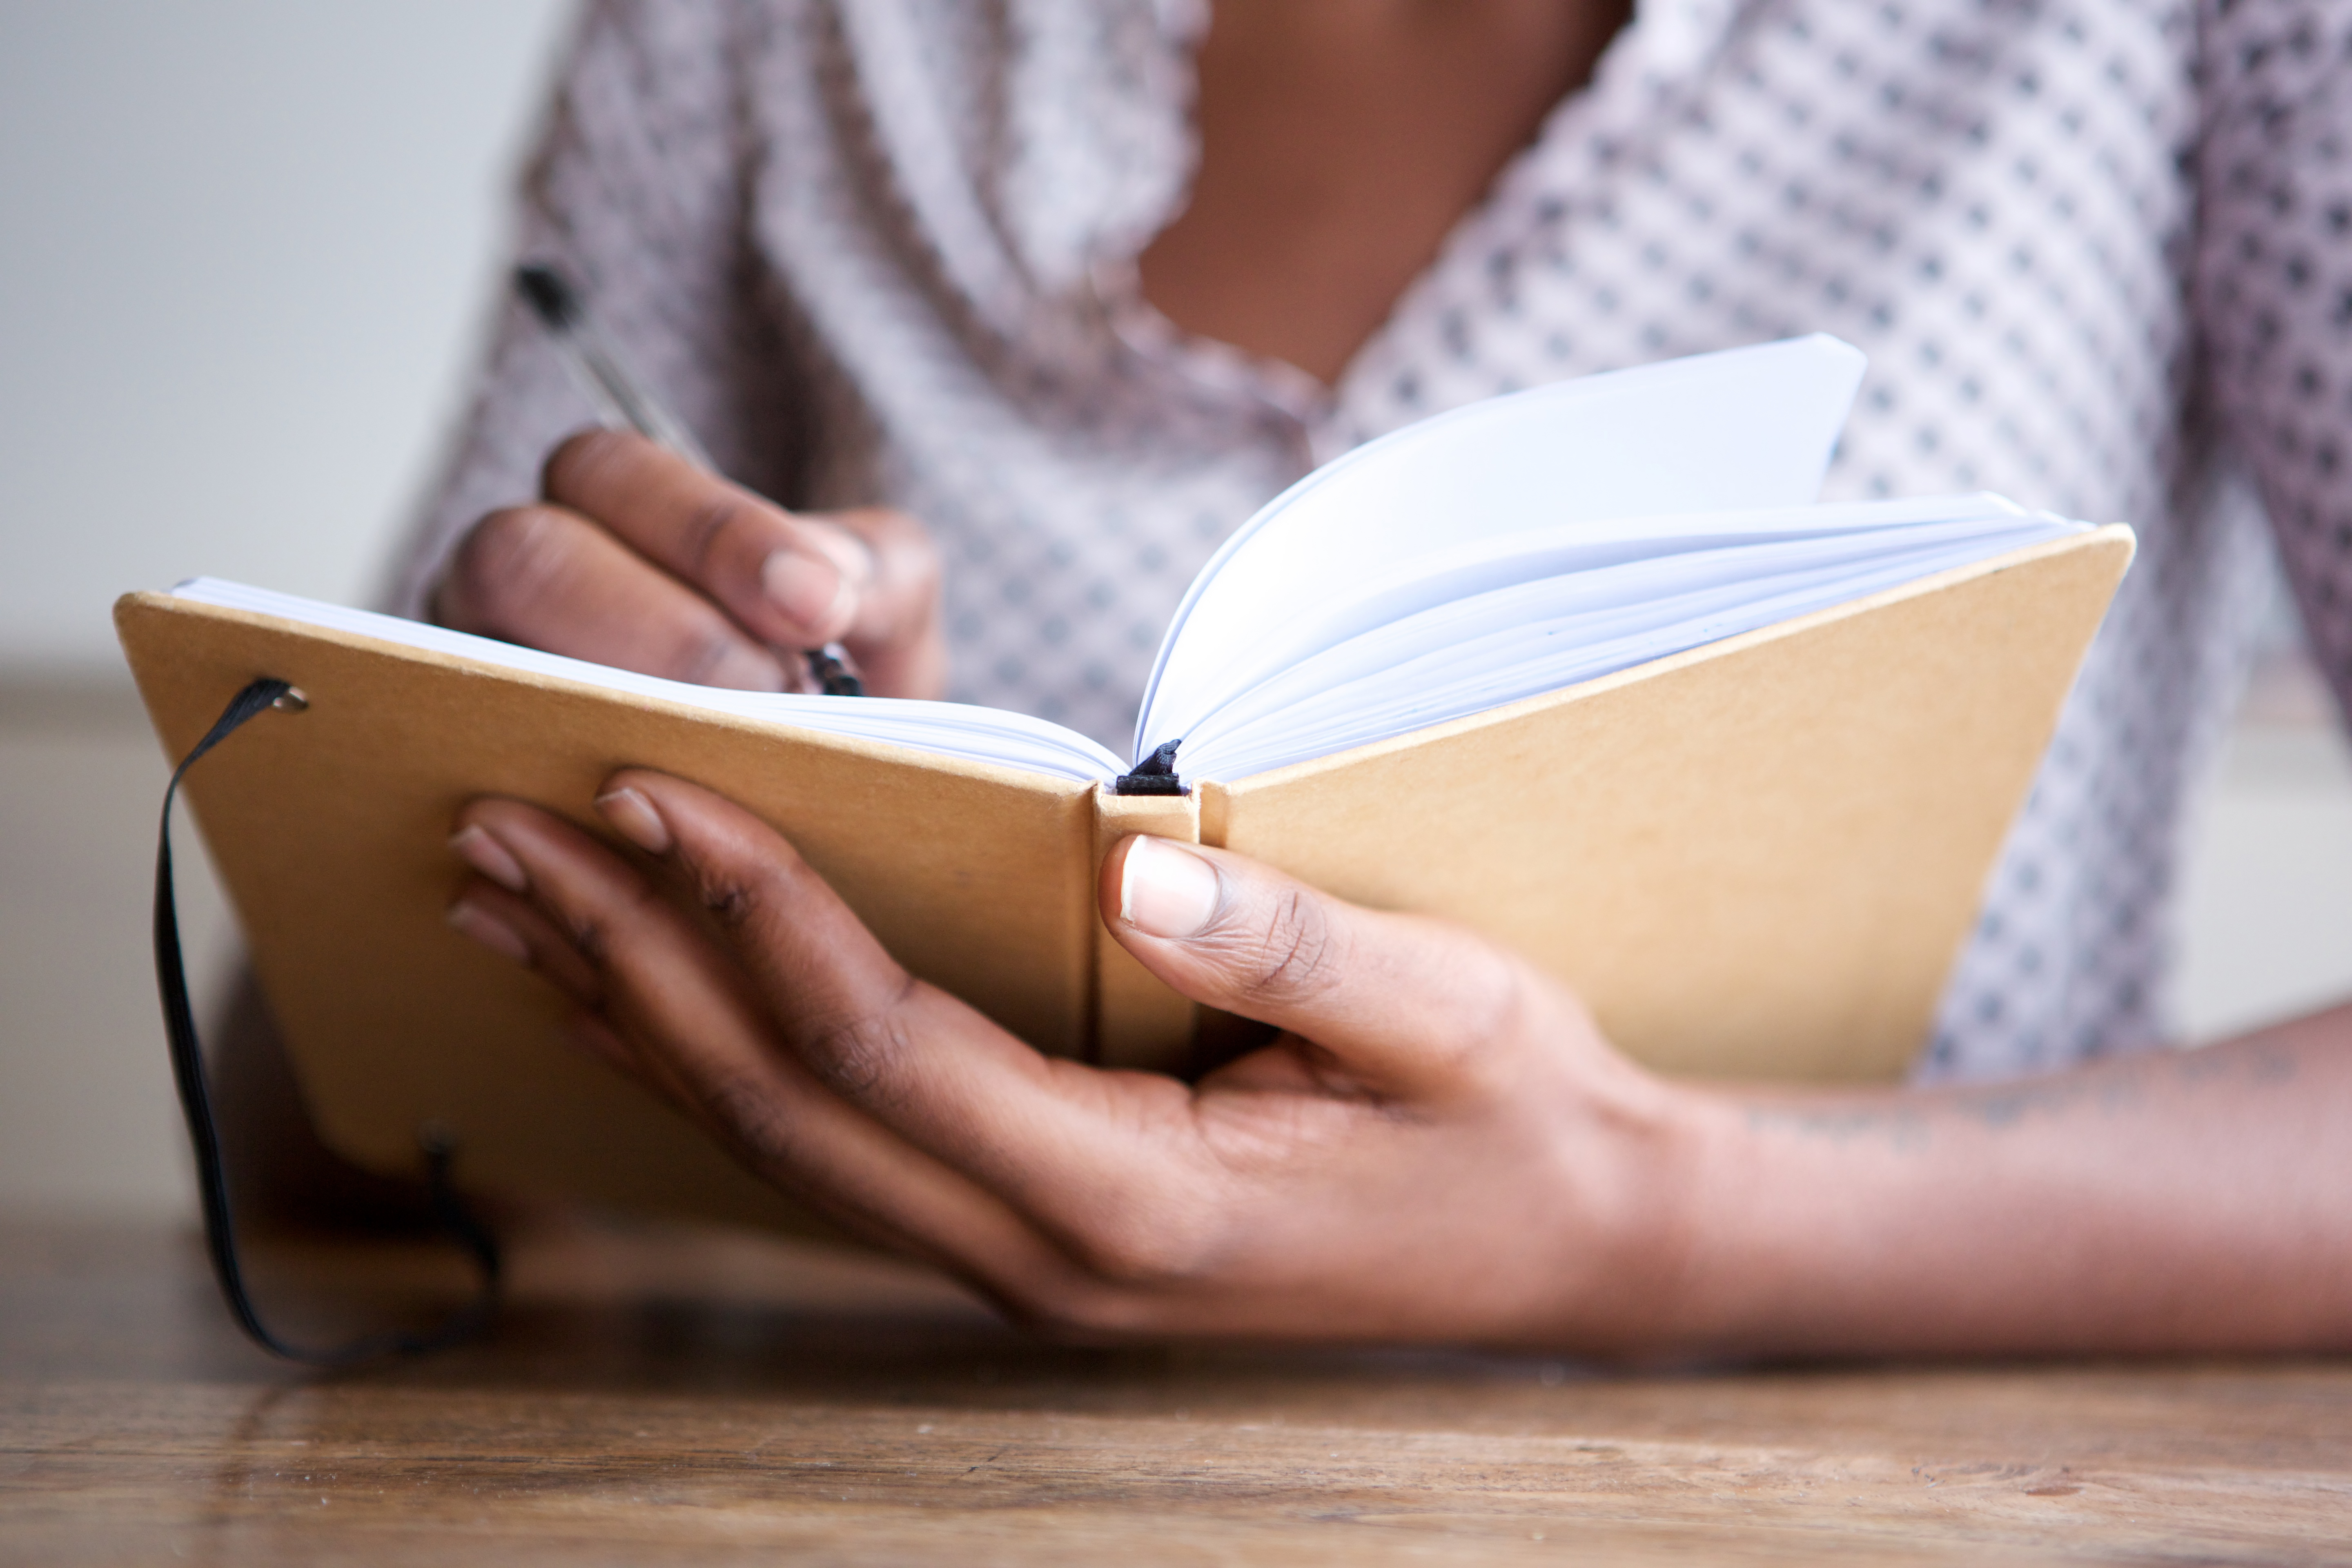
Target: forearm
[[2179, 1200]]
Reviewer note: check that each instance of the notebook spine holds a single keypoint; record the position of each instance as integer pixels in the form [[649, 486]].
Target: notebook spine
[[1137, 1021]]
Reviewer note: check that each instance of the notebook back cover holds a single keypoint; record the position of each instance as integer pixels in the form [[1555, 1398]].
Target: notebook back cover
[[1755, 859]]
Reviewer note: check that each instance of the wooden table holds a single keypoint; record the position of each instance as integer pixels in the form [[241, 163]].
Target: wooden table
[[657, 1395]]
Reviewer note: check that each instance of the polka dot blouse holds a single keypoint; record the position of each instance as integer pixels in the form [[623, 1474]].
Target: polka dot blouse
[[2099, 253]]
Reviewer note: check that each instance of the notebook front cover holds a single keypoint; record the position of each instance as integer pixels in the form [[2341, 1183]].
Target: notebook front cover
[[330, 830]]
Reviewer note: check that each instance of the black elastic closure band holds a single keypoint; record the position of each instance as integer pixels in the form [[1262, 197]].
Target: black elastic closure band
[[195, 1103], [1156, 775]]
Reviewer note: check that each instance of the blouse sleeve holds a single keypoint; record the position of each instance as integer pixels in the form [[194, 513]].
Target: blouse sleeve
[[2273, 284], [636, 190]]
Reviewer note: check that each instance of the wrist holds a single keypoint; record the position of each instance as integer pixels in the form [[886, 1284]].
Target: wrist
[[1797, 1229], [1727, 1233], [1639, 1168], [1695, 1254]]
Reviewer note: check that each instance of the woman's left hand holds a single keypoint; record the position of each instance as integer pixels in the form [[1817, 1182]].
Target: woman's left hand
[[1437, 1145]]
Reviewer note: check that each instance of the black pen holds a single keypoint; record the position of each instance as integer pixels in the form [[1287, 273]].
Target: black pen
[[622, 400]]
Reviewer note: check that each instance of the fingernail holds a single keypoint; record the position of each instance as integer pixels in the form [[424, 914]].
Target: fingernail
[[811, 592], [491, 858], [1165, 891], [633, 816], [469, 918]]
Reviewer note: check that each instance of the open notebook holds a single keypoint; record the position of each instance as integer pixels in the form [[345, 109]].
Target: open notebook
[[1509, 549], [1584, 668]]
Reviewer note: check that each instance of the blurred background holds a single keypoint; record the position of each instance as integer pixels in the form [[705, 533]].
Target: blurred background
[[245, 250]]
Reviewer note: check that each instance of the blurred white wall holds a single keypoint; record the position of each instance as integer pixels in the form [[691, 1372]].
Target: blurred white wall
[[244, 249], [244, 245]]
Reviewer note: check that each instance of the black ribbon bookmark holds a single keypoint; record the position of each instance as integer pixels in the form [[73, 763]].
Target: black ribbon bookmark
[[195, 1103]]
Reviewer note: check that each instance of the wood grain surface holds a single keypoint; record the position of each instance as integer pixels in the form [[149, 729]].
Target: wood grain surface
[[660, 1396]]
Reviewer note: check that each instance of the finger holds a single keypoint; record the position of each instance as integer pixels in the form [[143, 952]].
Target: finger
[[493, 912], [549, 579], [897, 636], [1110, 1165], [689, 1025], [1405, 1006], [790, 584], [510, 926], [507, 924]]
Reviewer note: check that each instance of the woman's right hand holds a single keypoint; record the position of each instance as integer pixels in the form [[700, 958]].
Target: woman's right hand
[[637, 558]]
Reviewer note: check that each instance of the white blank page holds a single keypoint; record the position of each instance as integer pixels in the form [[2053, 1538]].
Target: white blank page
[[1747, 428]]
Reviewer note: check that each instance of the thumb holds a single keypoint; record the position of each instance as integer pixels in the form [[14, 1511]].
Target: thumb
[[1403, 1001]]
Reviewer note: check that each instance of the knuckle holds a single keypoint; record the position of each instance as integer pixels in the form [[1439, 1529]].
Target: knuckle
[[581, 458], [861, 1056], [599, 930], [704, 535], [746, 1110], [1493, 997], [1148, 1248], [1294, 954], [593, 935], [510, 561], [1493, 987], [741, 890]]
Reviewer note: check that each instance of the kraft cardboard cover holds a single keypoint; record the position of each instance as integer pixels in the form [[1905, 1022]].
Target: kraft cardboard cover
[[329, 827], [1757, 858]]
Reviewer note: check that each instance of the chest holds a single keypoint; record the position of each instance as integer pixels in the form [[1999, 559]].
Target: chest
[[1339, 145]]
